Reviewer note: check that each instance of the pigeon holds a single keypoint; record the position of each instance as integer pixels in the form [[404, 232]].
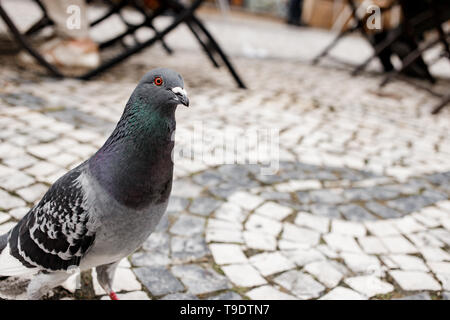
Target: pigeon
[[104, 209]]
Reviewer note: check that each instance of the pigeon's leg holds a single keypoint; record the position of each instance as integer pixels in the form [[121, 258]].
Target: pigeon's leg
[[42, 283], [105, 277]]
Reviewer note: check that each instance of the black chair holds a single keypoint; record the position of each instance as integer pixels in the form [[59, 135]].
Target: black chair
[[358, 26], [420, 17], [180, 13]]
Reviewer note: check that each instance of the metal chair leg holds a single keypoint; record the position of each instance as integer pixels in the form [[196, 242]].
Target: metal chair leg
[[137, 48], [219, 51], [25, 44], [441, 105], [202, 44]]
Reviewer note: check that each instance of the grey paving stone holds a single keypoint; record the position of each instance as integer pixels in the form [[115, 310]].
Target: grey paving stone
[[358, 194], [157, 242], [419, 296], [300, 284], [383, 211], [303, 197], [199, 280], [326, 196], [233, 172], [180, 296], [408, 204], [439, 178], [145, 259], [158, 280], [325, 210], [325, 175], [177, 204], [208, 178], [384, 192], [355, 213], [228, 295], [272, 195], [188, 225], [432, 196], [204, 205], [163, 224], [189, 248], [223, 190]]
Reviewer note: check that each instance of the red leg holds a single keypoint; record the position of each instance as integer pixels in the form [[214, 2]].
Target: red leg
[[113, 295]]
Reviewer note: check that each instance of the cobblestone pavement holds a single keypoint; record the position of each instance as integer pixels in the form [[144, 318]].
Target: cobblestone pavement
[[359, 208]]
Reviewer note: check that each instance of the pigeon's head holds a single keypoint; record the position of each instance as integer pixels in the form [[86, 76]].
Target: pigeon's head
[[163, 87]]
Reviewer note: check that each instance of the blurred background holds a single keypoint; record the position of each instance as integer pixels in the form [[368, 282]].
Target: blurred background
[[355, 95]]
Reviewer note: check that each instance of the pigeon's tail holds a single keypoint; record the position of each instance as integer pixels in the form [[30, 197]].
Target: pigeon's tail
[[3, 242], [11, 287]]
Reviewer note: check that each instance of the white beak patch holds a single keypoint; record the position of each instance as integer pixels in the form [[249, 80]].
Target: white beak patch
[[179, 90]]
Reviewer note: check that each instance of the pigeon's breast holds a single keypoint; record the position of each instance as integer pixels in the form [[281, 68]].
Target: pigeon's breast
[[120, 229]]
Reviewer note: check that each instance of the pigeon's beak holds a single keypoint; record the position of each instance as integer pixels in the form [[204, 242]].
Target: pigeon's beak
[[181, 95]]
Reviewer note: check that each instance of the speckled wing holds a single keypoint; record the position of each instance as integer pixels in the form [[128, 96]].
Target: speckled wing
[[54, 235]]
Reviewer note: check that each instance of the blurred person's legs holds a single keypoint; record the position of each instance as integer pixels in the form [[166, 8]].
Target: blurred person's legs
[[72, 47], [295, 12]]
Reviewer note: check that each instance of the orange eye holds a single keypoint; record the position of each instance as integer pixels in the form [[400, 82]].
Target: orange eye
[[158, 81]]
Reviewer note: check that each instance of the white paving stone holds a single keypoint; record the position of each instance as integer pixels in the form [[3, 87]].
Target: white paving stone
[[263, 224], [425, 220], [18, 213], [341, 293], [223, 224], [270, 263], [8, 201], [341, 243], [5, 227], [4, 217], [300, 235], [224, 235], [444, 278], [369, 285], [381, 228], [362, 263], [349, 228], [372, 245], [33, 193], [440, 267], [260, 241], [230, 212], [298, 185], [415, 281], [424, 239], [398, 244], [444, 204], [227, 253], [274, 210], [43, 151], [325, 272], [302, 257], [311, 221], [268, 293], [435, 212], [327, 251], [300, 284], [406, 262], [408, 225], [434, 254], [245, 200], [243, 275], [124, 280]]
